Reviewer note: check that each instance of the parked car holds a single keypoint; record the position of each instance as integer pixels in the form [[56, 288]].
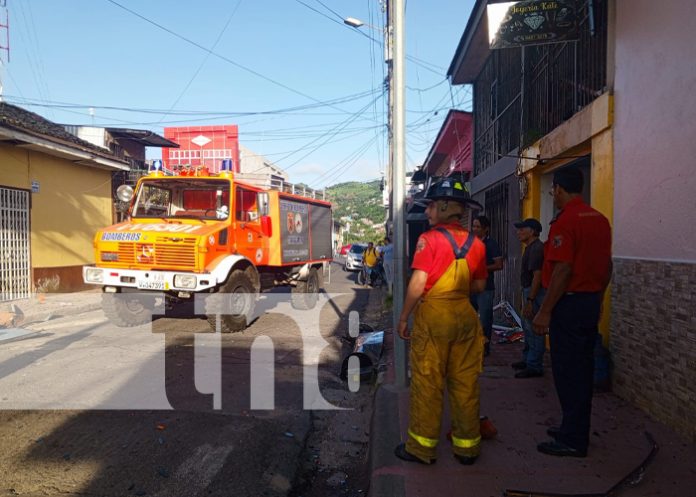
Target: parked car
[[344, 250], [354, 257]]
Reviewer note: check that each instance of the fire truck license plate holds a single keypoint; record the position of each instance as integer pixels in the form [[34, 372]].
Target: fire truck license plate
[[152, 284]]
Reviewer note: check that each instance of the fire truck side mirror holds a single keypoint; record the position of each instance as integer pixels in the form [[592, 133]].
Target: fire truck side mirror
[[266, 226], [262, 204]]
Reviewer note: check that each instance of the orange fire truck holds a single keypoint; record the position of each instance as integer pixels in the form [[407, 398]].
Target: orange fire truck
[[196, 232]]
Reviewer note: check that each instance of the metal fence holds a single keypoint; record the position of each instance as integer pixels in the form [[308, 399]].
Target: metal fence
[[15, 262]]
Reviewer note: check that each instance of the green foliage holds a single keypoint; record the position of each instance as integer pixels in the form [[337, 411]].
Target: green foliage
[[362, 202]]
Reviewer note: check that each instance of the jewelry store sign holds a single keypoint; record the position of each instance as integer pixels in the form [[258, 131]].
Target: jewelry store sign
[[531, 22]]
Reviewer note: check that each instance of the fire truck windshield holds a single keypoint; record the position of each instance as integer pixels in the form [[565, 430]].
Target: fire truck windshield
[[190, 198]]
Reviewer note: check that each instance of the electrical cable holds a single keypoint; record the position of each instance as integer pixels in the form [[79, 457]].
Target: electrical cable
[[332, 132], [422, 90], [221, 57], [205, 59], [33, 56], [318, 104], [439, 71], [329, 173], [345, 164], [329, 9]]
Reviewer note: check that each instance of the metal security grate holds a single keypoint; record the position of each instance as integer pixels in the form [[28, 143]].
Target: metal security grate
[[15, 263], [497, 209]]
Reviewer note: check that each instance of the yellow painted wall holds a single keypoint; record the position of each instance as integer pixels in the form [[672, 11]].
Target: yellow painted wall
[[14, 172], [603, 200], [531, 205], [72, 203]]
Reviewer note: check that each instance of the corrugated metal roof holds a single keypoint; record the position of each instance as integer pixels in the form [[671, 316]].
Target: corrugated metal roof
[[145, 137]]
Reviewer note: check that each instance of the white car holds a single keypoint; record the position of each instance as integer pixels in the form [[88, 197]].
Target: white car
[[354, 257]]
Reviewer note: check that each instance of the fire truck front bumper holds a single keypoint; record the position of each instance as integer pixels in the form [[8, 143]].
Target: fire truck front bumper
[[158, 281]]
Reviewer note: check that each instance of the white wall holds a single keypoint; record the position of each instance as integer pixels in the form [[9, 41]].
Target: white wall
[[95, 136], [655, 130], [252, 163]]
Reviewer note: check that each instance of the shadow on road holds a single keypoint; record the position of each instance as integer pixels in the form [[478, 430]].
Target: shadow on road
[[192, 449]]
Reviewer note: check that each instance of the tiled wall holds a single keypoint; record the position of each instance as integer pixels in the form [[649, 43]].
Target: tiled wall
[[653, 339]]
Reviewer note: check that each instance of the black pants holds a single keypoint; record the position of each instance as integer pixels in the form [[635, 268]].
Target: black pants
[[573, 332]]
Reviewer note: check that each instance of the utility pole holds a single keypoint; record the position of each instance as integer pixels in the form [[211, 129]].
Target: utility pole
[[398, 172], [4, 46]]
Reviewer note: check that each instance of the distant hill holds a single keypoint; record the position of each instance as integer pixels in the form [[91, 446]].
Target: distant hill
[[362, 203]]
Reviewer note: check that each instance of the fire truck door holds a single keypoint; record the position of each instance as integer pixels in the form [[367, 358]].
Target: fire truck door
[[249, 236]]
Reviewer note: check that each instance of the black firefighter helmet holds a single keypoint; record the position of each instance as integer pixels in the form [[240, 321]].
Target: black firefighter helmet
[[451, 189]]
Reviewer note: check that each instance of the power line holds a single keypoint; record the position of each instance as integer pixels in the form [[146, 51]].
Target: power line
[[66, 105], [328, 135], [205, 59], [221, 57], [329, 9], [345, 164], [438, 70], [423, 90]]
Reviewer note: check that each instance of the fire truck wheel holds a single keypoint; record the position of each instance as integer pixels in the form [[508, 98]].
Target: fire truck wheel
[[306, 293], [234, 302], [126, 310]]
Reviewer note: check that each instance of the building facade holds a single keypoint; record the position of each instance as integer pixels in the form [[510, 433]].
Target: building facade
[[55, 192], [204, 146], [653, 326], [617, 103]]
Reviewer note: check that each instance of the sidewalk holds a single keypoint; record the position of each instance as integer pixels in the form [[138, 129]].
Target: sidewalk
[[521, 410], [22, 312]]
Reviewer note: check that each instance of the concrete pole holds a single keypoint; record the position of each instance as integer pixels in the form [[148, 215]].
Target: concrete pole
[[398, 182]]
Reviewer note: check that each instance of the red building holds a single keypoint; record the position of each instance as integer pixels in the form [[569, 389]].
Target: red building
[[451, 152], [202, 145]]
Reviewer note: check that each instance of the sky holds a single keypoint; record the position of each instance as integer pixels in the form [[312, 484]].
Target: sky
[[306, 90]]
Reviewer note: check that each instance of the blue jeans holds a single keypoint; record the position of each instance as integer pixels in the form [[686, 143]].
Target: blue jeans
[[484, 305], [534, 345]]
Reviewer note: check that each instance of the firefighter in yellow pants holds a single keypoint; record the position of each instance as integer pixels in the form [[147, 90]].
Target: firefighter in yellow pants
[[447, 338]]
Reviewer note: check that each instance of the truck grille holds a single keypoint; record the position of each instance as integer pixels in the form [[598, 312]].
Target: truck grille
[[161, 254]]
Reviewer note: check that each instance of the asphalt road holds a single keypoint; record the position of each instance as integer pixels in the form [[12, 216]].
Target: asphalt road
[[170, 408]]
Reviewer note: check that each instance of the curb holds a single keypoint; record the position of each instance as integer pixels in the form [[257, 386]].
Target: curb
[[40, 315], [386, 476], [284, 466]]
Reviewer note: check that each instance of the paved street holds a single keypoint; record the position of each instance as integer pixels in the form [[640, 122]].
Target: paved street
[[92, 409]]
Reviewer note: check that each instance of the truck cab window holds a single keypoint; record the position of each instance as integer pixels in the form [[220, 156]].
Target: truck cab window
[[153, 201], [205, 199]]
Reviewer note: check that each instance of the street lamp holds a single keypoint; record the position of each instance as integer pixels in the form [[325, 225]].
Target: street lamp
[[353, 22]]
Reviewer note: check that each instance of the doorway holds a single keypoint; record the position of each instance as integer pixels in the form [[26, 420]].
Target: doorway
[[548, 210], [15, 261]]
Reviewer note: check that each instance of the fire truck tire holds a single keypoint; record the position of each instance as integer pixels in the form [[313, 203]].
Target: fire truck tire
[[306, 293], [240, 285], [127, 310]]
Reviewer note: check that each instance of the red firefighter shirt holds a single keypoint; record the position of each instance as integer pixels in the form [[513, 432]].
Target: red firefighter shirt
[[581, 237], [434, 254]]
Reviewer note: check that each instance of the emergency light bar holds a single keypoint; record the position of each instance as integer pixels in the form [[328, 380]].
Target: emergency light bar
[[156, 167]]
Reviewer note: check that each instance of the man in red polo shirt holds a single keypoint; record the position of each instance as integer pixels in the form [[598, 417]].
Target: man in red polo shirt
[[447, 339], [576, 271]]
